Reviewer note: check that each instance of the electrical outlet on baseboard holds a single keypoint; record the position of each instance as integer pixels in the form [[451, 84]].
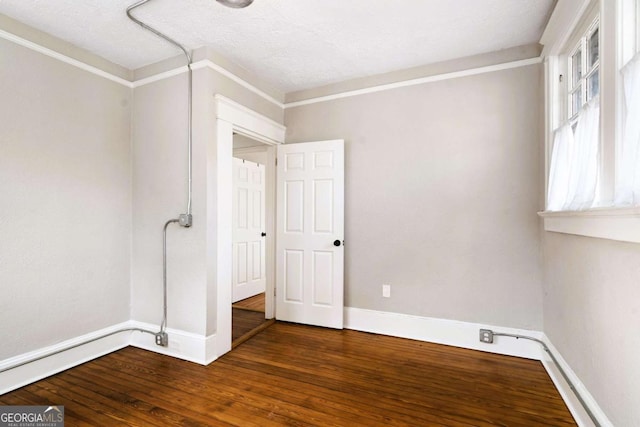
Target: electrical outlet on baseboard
[[386, 291], [486, 336]]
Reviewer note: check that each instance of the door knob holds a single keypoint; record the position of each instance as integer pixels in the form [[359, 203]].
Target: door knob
[[336, 243], [263, 234]]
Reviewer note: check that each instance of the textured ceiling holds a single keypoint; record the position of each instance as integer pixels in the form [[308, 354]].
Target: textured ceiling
[[294, 44]]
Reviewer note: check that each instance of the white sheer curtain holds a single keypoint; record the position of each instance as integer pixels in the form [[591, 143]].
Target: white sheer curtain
[[573, 176], [560, 167], [628, 170]]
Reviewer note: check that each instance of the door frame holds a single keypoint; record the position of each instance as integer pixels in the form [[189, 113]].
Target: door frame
[[231, 118]]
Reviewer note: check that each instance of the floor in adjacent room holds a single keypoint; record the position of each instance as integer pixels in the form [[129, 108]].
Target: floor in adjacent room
[[293, 374], [248, 319]]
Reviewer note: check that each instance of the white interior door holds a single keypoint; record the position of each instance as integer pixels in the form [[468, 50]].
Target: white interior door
[[310, 233], [248, 278]]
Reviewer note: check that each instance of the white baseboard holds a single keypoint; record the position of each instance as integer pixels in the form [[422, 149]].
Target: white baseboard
[[182, 345], [441, 331], [211, 349], [569, 397], [27, 374]]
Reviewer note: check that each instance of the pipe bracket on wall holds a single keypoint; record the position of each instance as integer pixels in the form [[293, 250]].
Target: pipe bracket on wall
[[185, 220]]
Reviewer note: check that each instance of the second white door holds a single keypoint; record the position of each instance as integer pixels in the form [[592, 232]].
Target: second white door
[[249, 276], [310, 233]]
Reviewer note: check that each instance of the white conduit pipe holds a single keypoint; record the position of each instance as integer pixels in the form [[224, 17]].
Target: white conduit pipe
[[186, 219], [71, 347], [187, 54], [555, 361]]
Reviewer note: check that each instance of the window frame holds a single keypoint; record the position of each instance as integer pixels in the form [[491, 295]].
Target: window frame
[[586, 71]]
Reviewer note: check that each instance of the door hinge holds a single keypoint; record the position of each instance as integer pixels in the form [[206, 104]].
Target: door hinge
[[276, 161]]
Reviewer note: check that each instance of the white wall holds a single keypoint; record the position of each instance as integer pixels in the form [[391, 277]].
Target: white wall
[[592, 315], [65, 209], [442, 189]]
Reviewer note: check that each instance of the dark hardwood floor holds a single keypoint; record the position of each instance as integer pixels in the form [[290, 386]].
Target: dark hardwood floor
[[248, 319], [306, 376], [247, 323]]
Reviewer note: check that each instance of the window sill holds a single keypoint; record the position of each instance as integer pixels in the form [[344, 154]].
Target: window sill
[[622, 224]]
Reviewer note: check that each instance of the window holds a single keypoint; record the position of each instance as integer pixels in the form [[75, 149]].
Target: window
[[584, 71], [574, 172], [599, 63]]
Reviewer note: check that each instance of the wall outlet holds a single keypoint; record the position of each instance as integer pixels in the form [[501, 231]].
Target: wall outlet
[[486, 335], [386, 291], [162, 339]]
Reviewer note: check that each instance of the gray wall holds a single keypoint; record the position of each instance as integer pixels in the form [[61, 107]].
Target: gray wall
[[160, 171], [592, 315], [65, 209], [442, 189]]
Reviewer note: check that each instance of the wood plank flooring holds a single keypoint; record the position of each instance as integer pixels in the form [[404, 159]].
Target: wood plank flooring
[[299, 375], [244, 322]]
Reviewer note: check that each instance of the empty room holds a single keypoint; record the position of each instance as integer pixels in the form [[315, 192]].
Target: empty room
[[320, 212]]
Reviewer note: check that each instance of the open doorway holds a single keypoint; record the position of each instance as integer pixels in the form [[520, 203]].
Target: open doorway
[[231, 118], [249, 237], [314, 298]]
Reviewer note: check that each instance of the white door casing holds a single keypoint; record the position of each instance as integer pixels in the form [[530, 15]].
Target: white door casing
[[231, 118], [310, 233], [248, 277]]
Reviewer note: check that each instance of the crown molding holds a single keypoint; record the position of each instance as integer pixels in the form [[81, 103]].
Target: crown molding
[[418, 81], [63, 58]]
